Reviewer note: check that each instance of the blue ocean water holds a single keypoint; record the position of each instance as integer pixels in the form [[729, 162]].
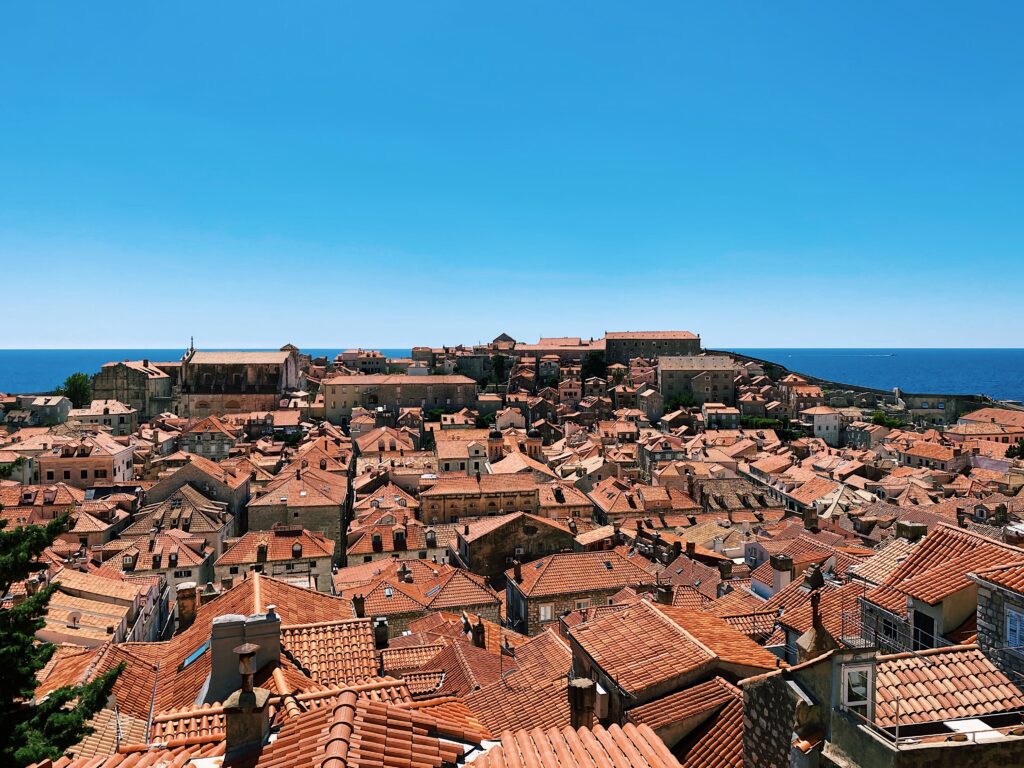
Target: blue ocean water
[[998, 373], [40, 370]]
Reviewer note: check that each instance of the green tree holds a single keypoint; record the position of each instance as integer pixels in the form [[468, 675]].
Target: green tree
[[878, 417], [500, 365], [680, 400], [31, 732], [1016, 451], [77, 388], [593, 365]]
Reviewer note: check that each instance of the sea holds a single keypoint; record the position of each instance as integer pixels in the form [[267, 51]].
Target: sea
[[998, 373]]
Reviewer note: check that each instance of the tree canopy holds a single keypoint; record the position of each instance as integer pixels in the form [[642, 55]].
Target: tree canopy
[[77, 388], [31, 732]]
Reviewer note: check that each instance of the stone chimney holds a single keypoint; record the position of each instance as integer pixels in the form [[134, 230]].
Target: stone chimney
[[186, 599], [663, 594], [691, 549], [582, 698], [246, 711], [231, 630], [208, 593], [725, 569], [479, 633], [517, 571], [910, 531], [380, 633], [359, 606], [782, 568]]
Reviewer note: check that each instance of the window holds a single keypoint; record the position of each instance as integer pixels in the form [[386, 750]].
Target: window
[[182, 574], [546, 612], [49, 474], [857, 685], [888, 628], [67, 474], [233, 570], [85, 474], [1014, 630], [582, 605]]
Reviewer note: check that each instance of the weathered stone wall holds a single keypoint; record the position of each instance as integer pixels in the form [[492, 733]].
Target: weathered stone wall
[[768, 721], [992, 605]]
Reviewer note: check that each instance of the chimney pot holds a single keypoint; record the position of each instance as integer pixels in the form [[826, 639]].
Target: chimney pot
[[582, 698]]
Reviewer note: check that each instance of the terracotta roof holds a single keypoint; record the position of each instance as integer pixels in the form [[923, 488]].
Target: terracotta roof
[[939, 567], [626, 747], [644, 644], [569, 572], [303, 487], [689, 702], [1010, 576], [941, 684], [332, 653], [721, 745], [280, 542], [533, 695]]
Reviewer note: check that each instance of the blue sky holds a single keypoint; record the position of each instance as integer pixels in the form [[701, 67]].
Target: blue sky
[[796, 174]]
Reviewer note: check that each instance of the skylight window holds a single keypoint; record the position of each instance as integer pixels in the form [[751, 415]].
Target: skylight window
[[194, 655]]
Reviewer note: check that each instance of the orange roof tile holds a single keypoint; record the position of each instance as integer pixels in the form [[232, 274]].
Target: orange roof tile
[[941, 684]]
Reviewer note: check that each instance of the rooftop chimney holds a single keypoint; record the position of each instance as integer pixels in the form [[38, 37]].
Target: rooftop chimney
[[517, 571], [231, 630], [186, 599], [910, 531], [691, 549], [582, 698], [479, 633], [380, 633], [725, 569], [359, 606], [246, 711], [663, 594], [782, 568]]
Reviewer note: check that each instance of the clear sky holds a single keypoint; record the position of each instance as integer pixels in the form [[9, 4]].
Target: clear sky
[[327, 174]]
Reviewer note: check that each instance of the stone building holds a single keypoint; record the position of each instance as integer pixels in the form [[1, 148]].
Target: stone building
[[452, 498], [538, 593], [703, 378], [393, 392], [307, 496], [623, 346], [286, 552], [211, 437], [1000, 617], [86, 461], [145, 386], [488, 547], [224, 484], [235, 382], [113, 416], [190, 511]]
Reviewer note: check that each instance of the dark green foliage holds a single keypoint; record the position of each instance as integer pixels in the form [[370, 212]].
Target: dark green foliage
[[757, 422], [500, 365], [1016, 451], [593, 365], [886, 421], [8, 469], [680, 400], [30, 733], [77, 388], [485, 420]]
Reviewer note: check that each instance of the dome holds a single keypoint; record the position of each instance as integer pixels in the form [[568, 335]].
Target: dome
[[495, 434]]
